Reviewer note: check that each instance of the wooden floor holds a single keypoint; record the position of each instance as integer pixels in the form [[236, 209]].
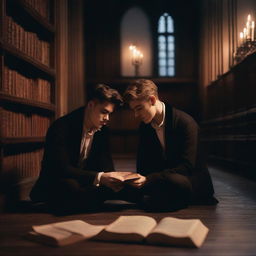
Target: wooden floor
[[232, 225]]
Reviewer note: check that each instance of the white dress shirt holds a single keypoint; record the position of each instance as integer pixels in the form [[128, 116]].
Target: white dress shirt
[[85, 148], [160, 128]]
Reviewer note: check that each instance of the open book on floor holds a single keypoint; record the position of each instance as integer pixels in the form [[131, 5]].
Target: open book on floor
[[132, 229]]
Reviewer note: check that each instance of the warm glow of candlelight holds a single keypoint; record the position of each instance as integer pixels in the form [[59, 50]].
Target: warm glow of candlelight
[[136, 58], [245, 33], [241, 37], [253, 27], [248, 30], [246, 40], [131, 47], [136, 54]]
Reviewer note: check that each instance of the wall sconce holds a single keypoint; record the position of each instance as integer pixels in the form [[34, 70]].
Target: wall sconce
[[136, 58], [247, 43]]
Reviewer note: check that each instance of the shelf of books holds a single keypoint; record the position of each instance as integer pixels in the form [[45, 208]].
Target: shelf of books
[[27, 89]]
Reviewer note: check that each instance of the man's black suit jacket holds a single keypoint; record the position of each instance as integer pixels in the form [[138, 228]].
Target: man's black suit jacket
[[182, 153], [62, 152]]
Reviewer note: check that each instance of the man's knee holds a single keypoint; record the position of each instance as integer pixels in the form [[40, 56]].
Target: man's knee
[[179, 183], [171, 183], [169, 193], [69, 194]]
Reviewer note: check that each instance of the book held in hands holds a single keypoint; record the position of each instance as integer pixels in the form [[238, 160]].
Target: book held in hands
[[129, 229]]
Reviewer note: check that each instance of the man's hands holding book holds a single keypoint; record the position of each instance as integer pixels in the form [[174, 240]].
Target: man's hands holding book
[[117, 180], [138, 182]]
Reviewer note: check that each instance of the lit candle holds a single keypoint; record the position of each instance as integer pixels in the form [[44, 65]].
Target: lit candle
[[131, 47], [241, 37], [248, 27], [245, 33], [135, 55], [253, 26], [248, 30]]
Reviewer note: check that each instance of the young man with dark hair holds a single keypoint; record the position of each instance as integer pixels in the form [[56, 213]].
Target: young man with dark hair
[[172, 172], [77, 169]]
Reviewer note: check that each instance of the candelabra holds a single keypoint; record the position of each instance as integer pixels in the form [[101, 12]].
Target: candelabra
[[136, 58], [247, 41], [244, 50]]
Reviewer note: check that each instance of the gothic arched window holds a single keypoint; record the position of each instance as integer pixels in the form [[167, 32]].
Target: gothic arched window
[[166, 46]]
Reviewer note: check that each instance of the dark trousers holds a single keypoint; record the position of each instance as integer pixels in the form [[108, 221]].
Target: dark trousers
[[163, 194]]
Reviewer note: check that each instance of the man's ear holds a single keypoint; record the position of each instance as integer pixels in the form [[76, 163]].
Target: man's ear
[[152, 99]]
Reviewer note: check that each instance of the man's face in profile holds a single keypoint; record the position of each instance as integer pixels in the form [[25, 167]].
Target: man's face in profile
[[100, 112]]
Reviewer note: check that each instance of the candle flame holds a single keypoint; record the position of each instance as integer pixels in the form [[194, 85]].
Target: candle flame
[[136, 55], [131, 47]]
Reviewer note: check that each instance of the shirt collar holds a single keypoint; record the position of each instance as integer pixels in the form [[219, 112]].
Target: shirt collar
[[89, 133], [158, 126]]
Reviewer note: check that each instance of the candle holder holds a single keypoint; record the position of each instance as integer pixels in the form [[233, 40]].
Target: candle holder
[[245, 49], [247, 39], [136, 59], [136, 63]]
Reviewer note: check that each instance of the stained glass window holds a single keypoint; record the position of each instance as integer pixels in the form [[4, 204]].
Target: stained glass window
[[166, 46]]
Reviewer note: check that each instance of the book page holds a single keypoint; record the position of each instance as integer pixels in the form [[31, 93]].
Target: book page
[[141, 225], [131, 176], [198, 233], [49, 230], [79, 227], [190, 232], [128, 176], [174, 227]]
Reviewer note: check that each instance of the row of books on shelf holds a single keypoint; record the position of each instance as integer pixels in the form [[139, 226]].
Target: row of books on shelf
[[28, 42], [25, 164], [19, 85], [14, 124], [41, 6]]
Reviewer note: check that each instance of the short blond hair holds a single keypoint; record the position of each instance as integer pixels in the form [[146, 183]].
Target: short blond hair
[[140, 89]]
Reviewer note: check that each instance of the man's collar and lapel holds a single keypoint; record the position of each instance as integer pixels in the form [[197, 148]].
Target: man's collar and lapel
[[168, 131], [77, 120], [158, 126], [168, 127]]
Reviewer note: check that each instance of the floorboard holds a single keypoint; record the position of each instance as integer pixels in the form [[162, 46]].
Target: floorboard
[[232, 224]]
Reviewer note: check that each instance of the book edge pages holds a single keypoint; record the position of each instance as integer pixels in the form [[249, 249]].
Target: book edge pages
[[165, 240], [190, 239], [117, 237], [47, 240], [109, 228], [198, 234]]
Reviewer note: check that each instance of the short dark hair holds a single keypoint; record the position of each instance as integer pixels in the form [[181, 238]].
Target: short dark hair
[[140, 89], [102, 92]]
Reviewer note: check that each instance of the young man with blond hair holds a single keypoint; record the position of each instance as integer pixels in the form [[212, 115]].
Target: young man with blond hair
[[172, 172]]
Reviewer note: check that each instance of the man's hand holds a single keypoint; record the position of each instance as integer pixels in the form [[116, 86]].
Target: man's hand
[[138, 183], [113, 180]]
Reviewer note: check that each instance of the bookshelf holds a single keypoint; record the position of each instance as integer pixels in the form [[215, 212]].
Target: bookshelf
[[27, 92], [229, 130]]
